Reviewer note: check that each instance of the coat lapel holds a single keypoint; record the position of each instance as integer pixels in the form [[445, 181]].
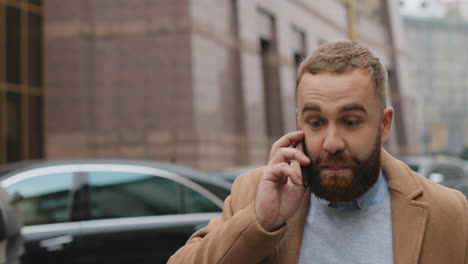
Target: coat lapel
[[409, 216], [289, 248], [409, 224]]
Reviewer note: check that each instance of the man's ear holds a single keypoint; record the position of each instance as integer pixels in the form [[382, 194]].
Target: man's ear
[[386, 123]]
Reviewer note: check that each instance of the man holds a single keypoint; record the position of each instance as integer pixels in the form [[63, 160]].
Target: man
[[353, 202]]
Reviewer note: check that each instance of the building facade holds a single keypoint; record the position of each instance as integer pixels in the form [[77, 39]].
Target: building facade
[[205, 83], [438, 64]]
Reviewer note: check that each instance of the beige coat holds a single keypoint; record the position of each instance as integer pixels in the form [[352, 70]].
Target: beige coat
[[430, 225]]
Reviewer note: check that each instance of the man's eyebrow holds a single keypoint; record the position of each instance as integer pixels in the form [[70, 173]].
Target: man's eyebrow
[[353, 107], [311, 107]]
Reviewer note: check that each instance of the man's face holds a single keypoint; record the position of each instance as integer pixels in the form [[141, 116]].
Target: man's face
[[344, 128]]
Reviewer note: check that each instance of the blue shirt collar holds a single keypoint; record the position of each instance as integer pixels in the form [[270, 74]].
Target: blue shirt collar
[[369, 198]]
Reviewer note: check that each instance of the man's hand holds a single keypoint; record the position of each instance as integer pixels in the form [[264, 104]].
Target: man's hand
[[280, 188]]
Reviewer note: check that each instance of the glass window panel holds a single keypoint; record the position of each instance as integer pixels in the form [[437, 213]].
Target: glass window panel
[[36, 129], [2, 129], [36, 2], [2, 44], [35, 50], [121, 194], [13, 45], [220, 192], [13, 127], [197, 203], [44, 199]]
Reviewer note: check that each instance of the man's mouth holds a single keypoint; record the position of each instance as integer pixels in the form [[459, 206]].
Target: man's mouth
[[335, 170]]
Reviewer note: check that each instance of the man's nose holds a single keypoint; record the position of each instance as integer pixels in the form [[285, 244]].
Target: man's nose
[[333, 143]]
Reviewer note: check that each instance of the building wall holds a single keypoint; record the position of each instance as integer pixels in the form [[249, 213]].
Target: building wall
[[204, 83], [119, 79], [212, 41], [438, 65]]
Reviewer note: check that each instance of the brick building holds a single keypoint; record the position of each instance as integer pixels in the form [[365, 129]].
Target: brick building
[[206, 83]]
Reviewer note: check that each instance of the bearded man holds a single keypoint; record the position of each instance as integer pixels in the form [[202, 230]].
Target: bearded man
[[330, 193]]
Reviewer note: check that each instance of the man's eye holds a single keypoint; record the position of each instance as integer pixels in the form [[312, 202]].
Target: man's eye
[[315, 123], [351, 123]]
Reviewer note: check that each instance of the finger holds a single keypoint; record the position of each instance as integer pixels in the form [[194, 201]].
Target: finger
[[288, 154], [281, 172], [288, 140]]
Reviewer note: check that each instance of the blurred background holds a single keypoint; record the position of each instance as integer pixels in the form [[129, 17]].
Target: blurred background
[[147, 107], [210, 84]]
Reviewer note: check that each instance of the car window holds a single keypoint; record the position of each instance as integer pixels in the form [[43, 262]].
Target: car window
[[197, 203], [222, 193], [122, 194], [44, 199]]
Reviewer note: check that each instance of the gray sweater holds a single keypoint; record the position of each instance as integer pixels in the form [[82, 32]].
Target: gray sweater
[[334, 235]]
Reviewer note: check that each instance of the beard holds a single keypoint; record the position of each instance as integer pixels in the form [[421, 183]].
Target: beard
[[343, 185]]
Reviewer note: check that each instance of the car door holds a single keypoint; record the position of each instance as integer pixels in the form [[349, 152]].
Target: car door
[[139, 217], [45, 201]]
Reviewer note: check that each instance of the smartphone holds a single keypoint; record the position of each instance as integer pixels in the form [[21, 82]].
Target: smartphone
[[306, 170]]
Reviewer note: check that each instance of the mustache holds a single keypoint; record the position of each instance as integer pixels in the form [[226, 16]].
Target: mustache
[[336, 161]]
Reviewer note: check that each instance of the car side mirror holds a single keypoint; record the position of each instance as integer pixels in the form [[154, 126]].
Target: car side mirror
[[436, 177]]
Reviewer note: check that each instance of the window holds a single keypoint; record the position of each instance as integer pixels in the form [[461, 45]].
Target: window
[[195, 202], [36, 2], [35, 50], [44, 199], [36, 129], [270, 72], [13, 45], [271, 88], [125, 194], [216, 190], [21, 80], [298, 41], [118, 194], [14, 127]]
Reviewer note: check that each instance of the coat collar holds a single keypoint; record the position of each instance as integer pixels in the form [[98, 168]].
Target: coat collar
[[409, 216], [399, 175]]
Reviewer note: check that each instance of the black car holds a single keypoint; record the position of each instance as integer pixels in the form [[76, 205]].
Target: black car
[[111, 211]]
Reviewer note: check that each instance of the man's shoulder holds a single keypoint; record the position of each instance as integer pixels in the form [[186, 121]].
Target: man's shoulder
[[441, 200], [247, 181], [406, 182], [244, 188], [435, 192]]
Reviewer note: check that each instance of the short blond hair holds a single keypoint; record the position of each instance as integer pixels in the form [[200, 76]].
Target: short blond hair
[[342, 56]]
